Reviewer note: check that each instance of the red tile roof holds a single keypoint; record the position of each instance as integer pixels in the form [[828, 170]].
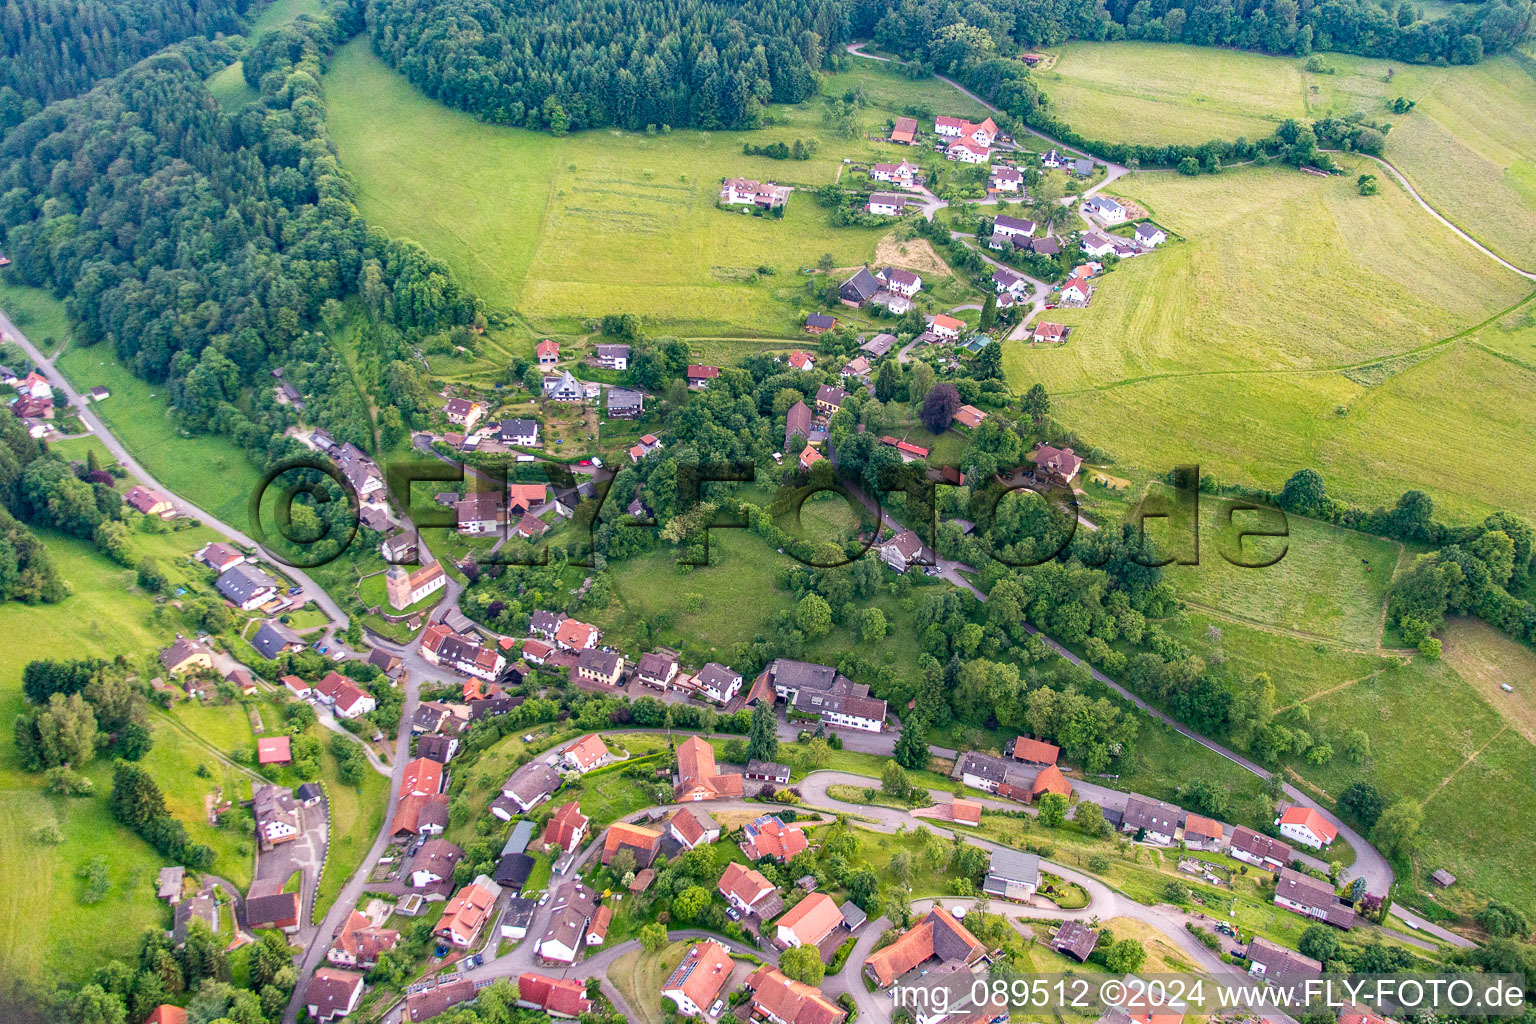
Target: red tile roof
[[1038, 751], [274, 750]]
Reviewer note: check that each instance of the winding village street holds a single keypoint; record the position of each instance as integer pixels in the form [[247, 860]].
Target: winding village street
[[1104, 902]]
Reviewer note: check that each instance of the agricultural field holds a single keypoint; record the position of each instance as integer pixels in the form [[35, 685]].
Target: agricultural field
[[1358, 568], [1168, 93], [561, 229], [37, 314], [1276, 333]]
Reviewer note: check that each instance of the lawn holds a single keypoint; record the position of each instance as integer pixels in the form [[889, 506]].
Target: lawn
[[1487, 660], [639, 975], [602, 221], [207, 470], [1349, 608], [1261, 342], [36, 313]]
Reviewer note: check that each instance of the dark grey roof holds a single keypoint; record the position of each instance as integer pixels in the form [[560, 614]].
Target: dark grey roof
[[310, 791], [853, 917], [879, 345], [272, 637], [517, 428], [985, 766], [1153, 815], [532, 781], [860, 287], [716, 676], [519, 911], [624, 398], [821, 320], [542, 621], [1045, 246], [240, 582], [513, 870], [1015, 866], [613, 351], [1280, 964], [436, 748], [657, 664], [1075, 938], [521, 836], [802, 675], [595, 660], [828, 393]]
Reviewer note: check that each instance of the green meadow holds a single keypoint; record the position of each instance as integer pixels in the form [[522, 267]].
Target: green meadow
[[1280, 329], [561, 229]]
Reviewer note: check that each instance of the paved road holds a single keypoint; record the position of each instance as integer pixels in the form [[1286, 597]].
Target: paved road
[[312, 590]]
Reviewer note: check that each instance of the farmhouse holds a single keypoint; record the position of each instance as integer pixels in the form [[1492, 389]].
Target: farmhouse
[[1256, 848], [698, 778], [886, 204], [480, 512], [277, 817], [819, 323], [360, 471], [938, 936], [267, 907], [1310, 897], [699, 979], [1306, 826], [746, 192], [858, 289], [957, 128], [821, 691]]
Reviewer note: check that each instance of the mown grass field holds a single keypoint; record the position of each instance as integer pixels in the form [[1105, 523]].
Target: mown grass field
[[1262, 342], [1468, 146], [36, 313], [1168, 93], [602, 221], [1291, 593]]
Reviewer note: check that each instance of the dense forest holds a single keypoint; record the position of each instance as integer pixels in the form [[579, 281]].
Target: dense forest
[[574, 64], [208, 247], [945, 36], [50, 49]]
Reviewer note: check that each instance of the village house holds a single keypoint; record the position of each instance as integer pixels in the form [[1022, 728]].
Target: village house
[[518, 431], [903, 174], [345, 698], [809, 922], [1075, 292], [958, 128], [360, 471], [1005, 179], [438, 1000], [746, 192], [625, 403], [698, 777], [799, 360], [420, 815], [220, 557], [969, 416], [857, 368], [1277, 965], [1012, 227], [945, 327], [1052, 159], [276, 814], [938, 936], [749, 892], [767, 836], [700, 979], [699, 376], [360, 942], [536, 652], [819, 690], [819, 323], [422, 777], [612, 357], [967, 152], [1096, 244], [1033, 751], [566, 934], [1047, 246], [437, 748], [901, 551], [809, 457], [858, 289], [1012, 875], [274, 637], [717, 682], [573, 635], [547, 352], [767, 771], [642, 842], [1258, 849], [1158, 819], [1106, 208], [332, 994], [692, 827], [463, 413], [565, 827], [778, 999], [598, 666], [246, 587], [1202, 833], [798, 428], [558, 997], [896, 305], [433, 865], [564, 388], [545, 623], [886, 204], [1149, 235], [406, 587], [657, 668], [585, 754], [186, 654], [904, 130], [1006, 281], [902, 282], [878, 346], [266, 906], [441, 645], [467, 913], [1311, 897], [529, 786], [1048, 333], [829, 399], [1306, 826], [1082, 167], [1055, 466], [274, 749]]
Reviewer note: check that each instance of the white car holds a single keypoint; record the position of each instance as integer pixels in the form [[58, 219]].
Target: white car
[[714, 1011]]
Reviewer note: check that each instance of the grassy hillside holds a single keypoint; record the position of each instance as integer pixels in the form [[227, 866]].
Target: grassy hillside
[[1265, 339], [566, 228]]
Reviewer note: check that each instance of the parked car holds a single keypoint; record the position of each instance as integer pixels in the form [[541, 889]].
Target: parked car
[[714, 1011]]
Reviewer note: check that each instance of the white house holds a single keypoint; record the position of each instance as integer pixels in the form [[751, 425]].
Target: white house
[[1052, 160], [523, 432], [903, 174], [1106, 209], [1007, 281], [887, 204], [902, 282], [945, 327], [718, 682], [967, 152], [1012, 227], [1307, 827], [1076, 292], [700, 979], [1096, 243], [1150, 235], [1005, 179], [901, 550]]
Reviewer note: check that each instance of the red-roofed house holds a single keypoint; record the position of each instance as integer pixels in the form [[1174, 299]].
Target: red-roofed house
[[466, 914], [422, 777], [637, 839], [548, 352], [296, 686], [333, 994], [360, 942], [274, 750], [1033, 751], [1306, 826], [810, 457], [745, 888], [698, 778], [346, 698], [558, 997], [566, 827], [536, 651], [699, 979], [586, 753], [945, 326], [576, 636], [969, 416], [809, 922], [778, 999], [767, 836], [700, 376]]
